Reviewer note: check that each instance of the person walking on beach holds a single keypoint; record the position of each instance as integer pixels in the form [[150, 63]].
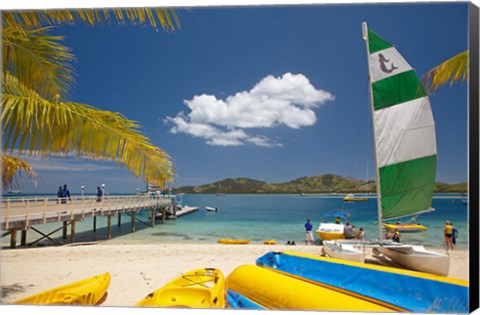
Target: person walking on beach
[[65, 194], [99, 194], [308, 231], [448, 234]]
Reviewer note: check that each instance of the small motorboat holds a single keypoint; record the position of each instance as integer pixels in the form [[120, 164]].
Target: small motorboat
[[352, 197], [332, 225], [213, 209]]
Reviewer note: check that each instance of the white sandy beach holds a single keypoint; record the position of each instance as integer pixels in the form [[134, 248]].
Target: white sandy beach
[[138, 269]]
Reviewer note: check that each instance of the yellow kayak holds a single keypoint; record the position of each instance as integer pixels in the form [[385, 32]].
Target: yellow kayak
[[199, 288], [84, 292], [269, 242], [232, 241], [273, 290]]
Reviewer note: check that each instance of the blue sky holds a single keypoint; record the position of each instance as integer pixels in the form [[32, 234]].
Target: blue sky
[[271, 93]]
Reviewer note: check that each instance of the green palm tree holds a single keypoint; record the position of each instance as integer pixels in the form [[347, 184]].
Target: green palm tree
[[451, 71], [35, 116]]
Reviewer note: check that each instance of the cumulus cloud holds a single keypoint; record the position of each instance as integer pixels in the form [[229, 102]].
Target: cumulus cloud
[[288, 100]]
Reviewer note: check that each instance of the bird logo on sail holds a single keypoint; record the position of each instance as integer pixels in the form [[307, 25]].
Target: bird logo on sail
[[383, 64]]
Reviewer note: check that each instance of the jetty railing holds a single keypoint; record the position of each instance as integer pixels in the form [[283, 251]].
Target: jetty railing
[[20, 212]]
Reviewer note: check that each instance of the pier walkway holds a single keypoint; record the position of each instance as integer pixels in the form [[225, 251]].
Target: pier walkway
[[22, 213]]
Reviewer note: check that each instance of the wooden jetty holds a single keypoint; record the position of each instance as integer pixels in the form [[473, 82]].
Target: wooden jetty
[[22, 213]]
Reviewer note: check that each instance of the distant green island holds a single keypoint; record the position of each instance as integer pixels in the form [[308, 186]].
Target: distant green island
[[318, 184]]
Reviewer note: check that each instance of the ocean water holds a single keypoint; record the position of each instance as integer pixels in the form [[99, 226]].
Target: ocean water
[[261, 217]]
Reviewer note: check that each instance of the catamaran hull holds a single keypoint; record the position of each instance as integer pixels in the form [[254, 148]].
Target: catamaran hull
[[343, 251], [418, 259]]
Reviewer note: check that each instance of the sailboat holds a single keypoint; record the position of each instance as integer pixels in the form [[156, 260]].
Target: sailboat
[[405, 154]]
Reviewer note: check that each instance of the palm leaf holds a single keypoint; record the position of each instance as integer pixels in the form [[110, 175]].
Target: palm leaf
[[38, 60], [12, 167], [36, 126], [452, 70], [155, 17]]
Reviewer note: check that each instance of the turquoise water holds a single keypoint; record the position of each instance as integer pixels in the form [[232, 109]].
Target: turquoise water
[[260, 217]]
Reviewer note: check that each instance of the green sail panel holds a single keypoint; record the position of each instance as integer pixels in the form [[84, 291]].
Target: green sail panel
[[406, 187], [376, 43], [397, 89]]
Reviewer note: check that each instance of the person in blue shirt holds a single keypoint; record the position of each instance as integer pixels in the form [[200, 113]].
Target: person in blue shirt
[[65, 194], [309, 234], [99, 194], [454, 234]]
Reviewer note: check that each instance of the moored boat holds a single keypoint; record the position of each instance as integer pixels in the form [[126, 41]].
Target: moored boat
[[199, 288], [90, 291], [212, 209], [352, 197], [405, 227], [399, 289]]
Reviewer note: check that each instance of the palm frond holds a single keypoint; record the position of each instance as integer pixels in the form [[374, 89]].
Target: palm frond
[[36, 126], [38, 60], [13, 167], [452, 70], [155, 17]]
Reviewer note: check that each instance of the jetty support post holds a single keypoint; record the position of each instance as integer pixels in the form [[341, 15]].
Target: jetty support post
[[164, 214], [109, 226], [119, 218], [13, 238], [23, 240], [72, 233], [134, 215], [94, 223], [152, 212], [174, 205], [64, 231]]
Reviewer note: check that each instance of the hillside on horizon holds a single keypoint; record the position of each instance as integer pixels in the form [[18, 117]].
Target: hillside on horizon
[[325, 183]]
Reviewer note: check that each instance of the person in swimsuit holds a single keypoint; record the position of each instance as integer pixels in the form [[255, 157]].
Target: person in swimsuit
[[448, 233]]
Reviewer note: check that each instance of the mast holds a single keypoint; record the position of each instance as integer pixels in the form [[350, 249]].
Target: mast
[[377, 181]]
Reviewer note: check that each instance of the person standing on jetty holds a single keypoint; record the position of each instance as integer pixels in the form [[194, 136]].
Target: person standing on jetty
[[99, 194], [59, 194], [308, 231], [65, 194]]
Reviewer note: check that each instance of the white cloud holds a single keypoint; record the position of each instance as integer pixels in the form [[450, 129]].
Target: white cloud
[[288, 100]]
